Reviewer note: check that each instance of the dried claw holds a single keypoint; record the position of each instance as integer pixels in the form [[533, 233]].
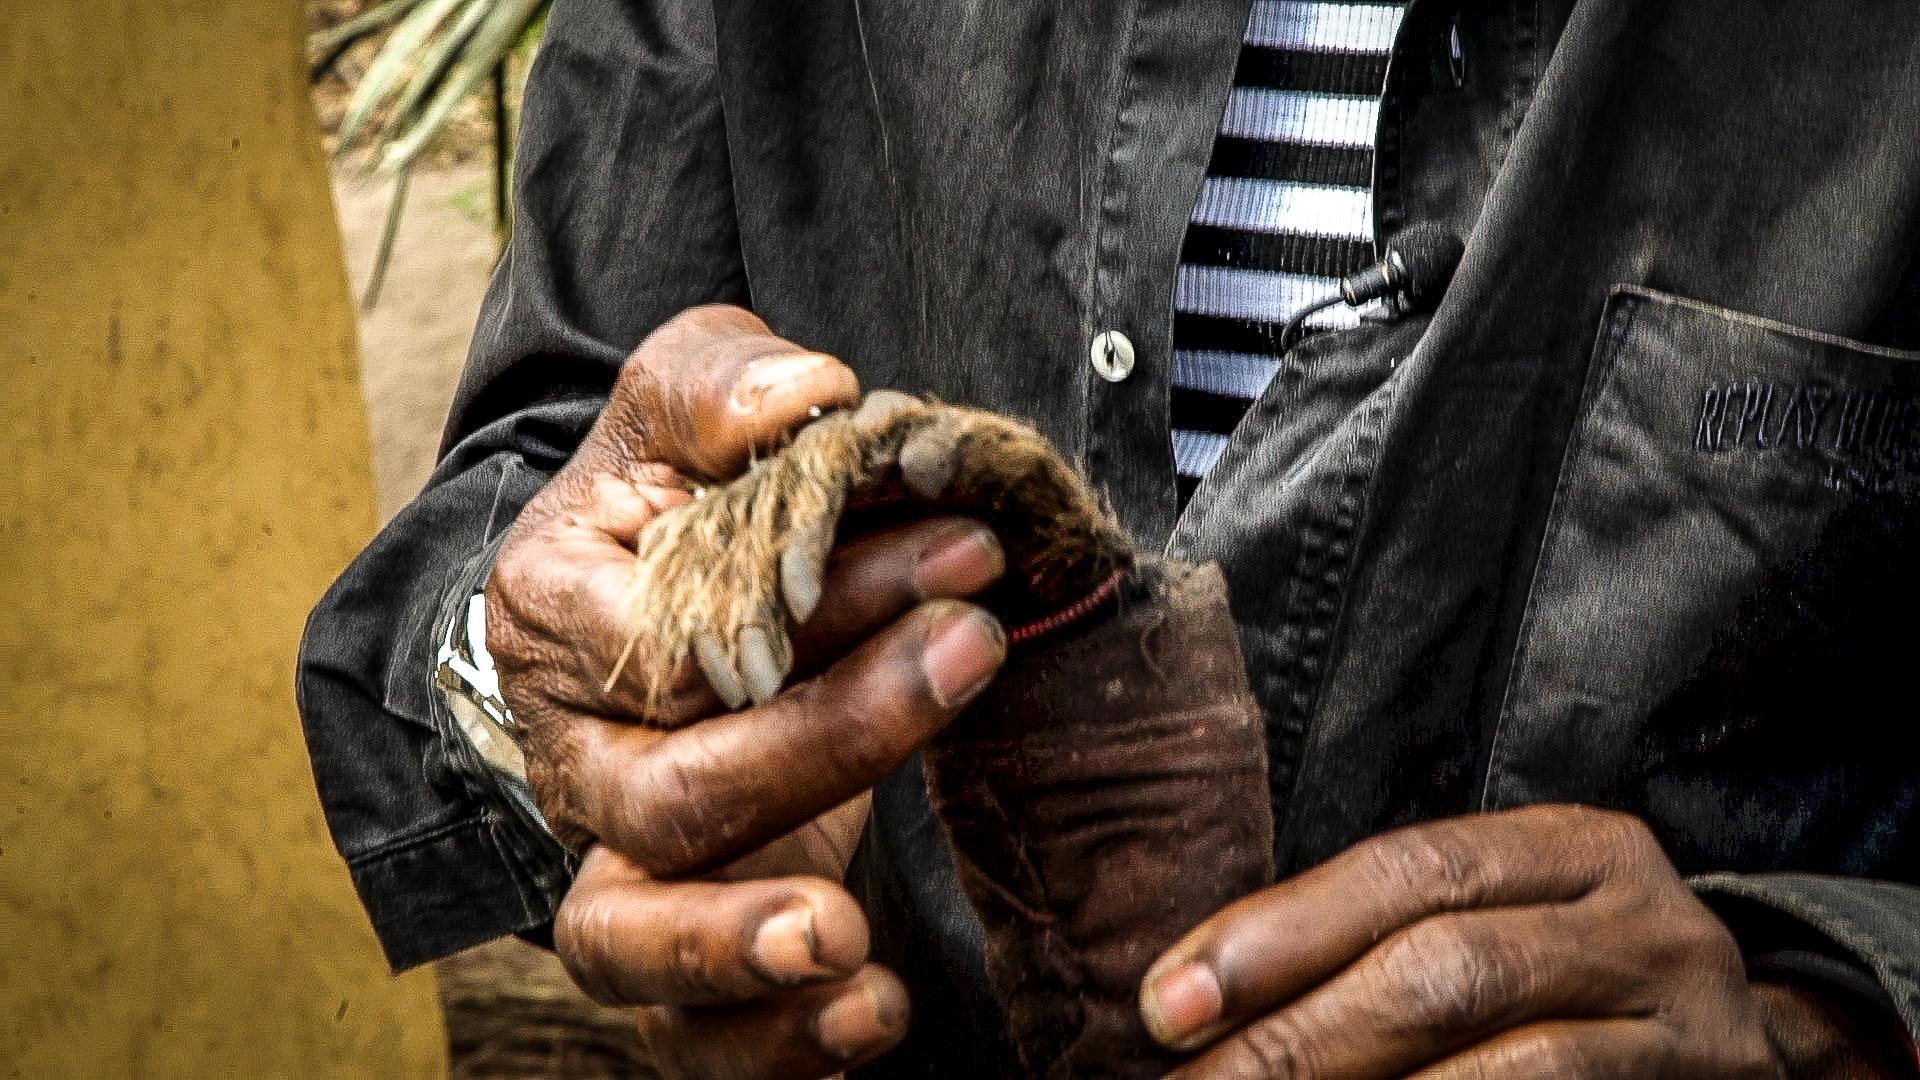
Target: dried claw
[[712, 657], [880, 406], [729, 571], [929, 458], [764, 662], [803, 566]]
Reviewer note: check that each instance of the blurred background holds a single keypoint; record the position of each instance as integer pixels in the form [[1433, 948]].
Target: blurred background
[[242, 248]]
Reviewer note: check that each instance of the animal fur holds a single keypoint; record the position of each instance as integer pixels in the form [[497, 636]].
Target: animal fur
[[725, 579]]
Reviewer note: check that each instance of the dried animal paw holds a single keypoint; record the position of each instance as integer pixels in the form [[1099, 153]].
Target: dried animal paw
[[725, 578]]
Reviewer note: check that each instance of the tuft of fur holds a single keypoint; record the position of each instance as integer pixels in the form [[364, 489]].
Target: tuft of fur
[[724, 579]]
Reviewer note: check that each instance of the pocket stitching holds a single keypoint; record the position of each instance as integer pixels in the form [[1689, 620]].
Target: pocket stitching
[[1775, 326]]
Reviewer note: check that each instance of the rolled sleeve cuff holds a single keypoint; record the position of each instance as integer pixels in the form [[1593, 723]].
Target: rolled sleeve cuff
[[420, 892], [420, 889], [1856, 935]]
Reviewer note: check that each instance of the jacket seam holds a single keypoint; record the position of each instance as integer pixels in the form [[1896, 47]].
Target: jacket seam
[[1387, 135], [430, 619], [1603, 361], [1519, 91], [405, 842], [1096, 242], [499, 493], [1337, 541], [898, 205], [1836, 924]]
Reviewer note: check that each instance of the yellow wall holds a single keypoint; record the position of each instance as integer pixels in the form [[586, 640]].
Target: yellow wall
[[186, 466]]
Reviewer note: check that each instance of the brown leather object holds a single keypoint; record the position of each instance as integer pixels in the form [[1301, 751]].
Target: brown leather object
[[1105, 795]]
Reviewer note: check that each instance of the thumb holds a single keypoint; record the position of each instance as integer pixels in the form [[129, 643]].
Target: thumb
[[713, 386]]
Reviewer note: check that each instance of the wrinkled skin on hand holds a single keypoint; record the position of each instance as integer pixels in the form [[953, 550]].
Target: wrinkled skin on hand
[[1547, 941], [708, 896]]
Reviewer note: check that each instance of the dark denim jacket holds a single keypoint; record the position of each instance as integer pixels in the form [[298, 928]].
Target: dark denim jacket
[[1625, 521]]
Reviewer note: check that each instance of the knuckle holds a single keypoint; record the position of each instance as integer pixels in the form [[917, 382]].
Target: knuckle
[[1707, 949], [523, 598], [1625, 836], [512, 590], [710, 319], [695, 967], [508, 576], [673, 335], [859, 745], [677, 822], [581, 939], [1444, 977], [685, 321], [1707, 935], [1433, 864], [1272, 1048], [870, 708], [1757, 1058], [1761, 1059], [666, 820], [655, 1025]]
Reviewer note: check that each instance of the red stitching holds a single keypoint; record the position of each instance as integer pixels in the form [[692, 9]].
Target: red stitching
[[1072, 613]]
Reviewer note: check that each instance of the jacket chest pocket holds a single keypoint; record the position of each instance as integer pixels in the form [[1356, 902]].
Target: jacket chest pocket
[[1721, 629]]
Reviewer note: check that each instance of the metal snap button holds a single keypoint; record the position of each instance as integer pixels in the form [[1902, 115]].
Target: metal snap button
[[1112, 355]]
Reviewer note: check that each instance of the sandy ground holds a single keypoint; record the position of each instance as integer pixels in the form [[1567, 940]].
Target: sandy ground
[[413, 342]]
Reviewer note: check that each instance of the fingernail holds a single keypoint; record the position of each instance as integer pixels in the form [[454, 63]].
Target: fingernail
[[1181, 1002], [857, 1021], [964, 648], [783, 947], [960, 562], [770, 373]]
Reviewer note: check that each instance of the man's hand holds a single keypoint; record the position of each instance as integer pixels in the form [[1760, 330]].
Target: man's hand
[[708, 893], [1549, 941]]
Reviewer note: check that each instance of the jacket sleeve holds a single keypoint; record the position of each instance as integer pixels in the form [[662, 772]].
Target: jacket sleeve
[[1871, 925], [624, 216]]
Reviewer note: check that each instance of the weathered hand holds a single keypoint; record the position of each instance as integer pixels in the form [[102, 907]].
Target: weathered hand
[[708, 892], [1549, 941]]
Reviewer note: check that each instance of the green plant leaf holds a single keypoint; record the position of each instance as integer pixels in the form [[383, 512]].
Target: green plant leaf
[[331, 44], [431, 64], [389, 66], [487, 49], [439, 54], [536, 28], [389, 231]]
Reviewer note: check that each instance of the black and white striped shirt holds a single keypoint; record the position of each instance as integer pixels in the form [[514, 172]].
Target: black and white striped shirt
[[1285, 209]]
